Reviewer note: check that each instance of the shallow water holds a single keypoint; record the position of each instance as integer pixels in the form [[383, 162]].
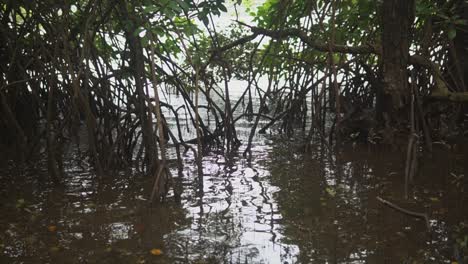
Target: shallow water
[[284, 206]]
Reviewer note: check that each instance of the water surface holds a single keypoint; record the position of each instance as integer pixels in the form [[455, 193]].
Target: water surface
[[284, 206]]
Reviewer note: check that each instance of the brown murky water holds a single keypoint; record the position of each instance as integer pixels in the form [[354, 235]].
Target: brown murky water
[[282, 207]]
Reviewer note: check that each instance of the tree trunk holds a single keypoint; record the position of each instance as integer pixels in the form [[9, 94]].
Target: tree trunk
[[461, 52], [138, 67], [397, 18]]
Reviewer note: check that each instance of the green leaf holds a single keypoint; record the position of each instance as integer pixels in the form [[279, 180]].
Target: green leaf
[[150, 9], [145, 41], [205, 20], [222, 8], [138, 31], [452, 33], [183, 5], [157, 30]]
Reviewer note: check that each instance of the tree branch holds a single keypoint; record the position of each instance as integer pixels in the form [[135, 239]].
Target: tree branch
[[440, 91], [302, 35]]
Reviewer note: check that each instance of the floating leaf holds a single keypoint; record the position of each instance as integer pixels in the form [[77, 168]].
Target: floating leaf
[[52, 228], [156, 252]]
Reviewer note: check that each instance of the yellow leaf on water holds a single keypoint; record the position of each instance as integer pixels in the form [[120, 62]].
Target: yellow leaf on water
[[52, 228], [156, 252]]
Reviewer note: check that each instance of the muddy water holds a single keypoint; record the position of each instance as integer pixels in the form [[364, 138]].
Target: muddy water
[[284, 206]]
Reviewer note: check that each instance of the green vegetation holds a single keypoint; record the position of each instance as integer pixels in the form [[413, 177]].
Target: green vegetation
[[376, 70]]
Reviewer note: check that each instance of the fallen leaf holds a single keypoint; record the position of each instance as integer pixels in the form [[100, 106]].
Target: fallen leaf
[[156, 252]]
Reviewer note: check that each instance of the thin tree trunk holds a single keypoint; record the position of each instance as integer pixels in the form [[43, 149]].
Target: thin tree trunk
[[137, 64]]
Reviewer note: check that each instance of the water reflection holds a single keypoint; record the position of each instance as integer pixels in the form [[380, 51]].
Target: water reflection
[[283, 206], [329, 207], [236, 219]]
